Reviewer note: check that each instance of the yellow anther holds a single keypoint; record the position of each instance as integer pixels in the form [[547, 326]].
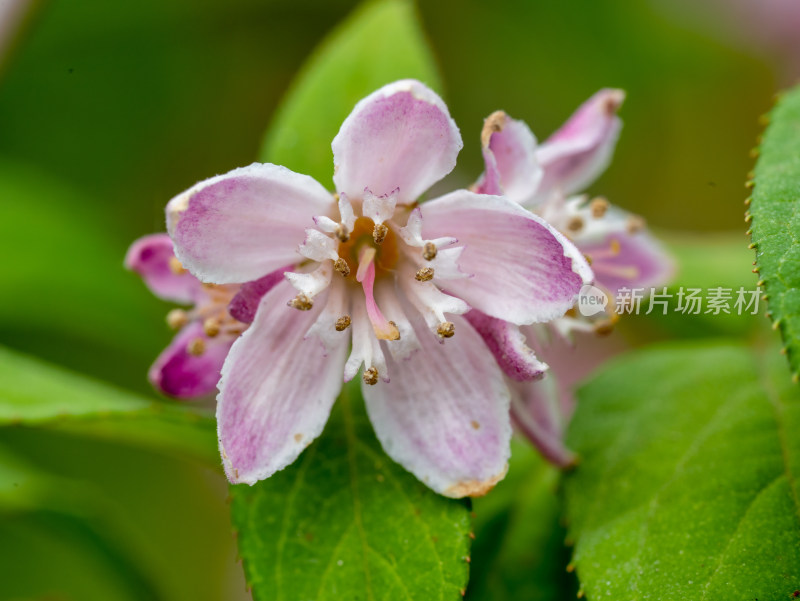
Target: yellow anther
[[342, 323], [370, 376], [379, 233], [424, 275], [211, 326], [635, 224], [301, 302], [429, 251], [598, 206], [196, 347], [341, 232], [342, 267], [177, 318], [175, 266], [615, 247], [446, 329], [604, 327], [575, 224]]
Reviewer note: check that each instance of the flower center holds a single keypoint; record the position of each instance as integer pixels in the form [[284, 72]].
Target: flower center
[[365, 235]]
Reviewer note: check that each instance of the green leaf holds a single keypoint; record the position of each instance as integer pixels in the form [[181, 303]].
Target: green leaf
[[775, 211], [687, 488], [51, 521], [704, 261], [346, 522], [68, 297], [33, 393], [519, 550], [380, 43]]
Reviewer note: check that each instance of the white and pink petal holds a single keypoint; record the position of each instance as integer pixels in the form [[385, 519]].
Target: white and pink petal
[[522, 270], [575, 155], [508, 346], [184, 375], [445, 414], [240, 226], [509, 153], [401, 136], [153, 258], [276, 391]]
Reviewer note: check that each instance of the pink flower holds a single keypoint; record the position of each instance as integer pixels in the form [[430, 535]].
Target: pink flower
[[372, 267], [189, 367], [543, 178], [621, 251]]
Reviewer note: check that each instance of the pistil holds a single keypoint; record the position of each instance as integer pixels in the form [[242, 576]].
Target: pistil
[[384, 329]]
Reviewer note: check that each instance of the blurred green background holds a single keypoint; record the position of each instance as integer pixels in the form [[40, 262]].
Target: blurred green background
[[107, 110]]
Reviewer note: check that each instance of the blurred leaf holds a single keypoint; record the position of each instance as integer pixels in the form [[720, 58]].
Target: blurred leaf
[[66, 295], [49, 521], [380, 43], [687, 489], [705, 261], [519, 550], [345, 522], [33, 393], [166, 511], [775, 209]]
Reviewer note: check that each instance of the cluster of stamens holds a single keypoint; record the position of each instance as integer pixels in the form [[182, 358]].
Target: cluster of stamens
[[362, 250], [212, 312]]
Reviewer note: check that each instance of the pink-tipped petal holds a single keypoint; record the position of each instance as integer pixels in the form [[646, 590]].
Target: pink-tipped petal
[[243, 306], [505, 341], [535, 413], [444, 416], [240, 226], [574, 156], [276, 391], [152, 258], [509, 152], [629, 260], [183, 375], [400, 136], [622, 250], [522, 270]]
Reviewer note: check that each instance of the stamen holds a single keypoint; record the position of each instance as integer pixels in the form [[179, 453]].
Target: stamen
[[424, 275], [301, 302], [635, 224], [211, 326], [614, 248], [598, 206], [446, 329], [177, 318], [379, 233], [196, 347], [429, 251], [342, 233], [342, 323], [342, 267], [605, 326], [370, 376], [176, 267], [628, 272], [575, 224]]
